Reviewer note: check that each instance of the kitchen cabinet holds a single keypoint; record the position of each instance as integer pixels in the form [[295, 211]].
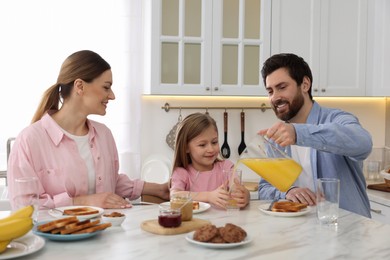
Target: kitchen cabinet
[[378, 54], [331, 35], [202, 47]]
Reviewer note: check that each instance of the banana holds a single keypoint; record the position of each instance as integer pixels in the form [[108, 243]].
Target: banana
[[3, 245], [20, 213], [15, 228]]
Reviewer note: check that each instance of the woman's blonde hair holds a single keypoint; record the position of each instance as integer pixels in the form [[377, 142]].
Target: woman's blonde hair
[[192, 126], [86, 65]]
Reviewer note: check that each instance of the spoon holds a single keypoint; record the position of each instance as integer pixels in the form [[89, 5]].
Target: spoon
[[242, 145], [225, 149]]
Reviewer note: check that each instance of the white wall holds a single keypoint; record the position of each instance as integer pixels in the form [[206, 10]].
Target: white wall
[[156, 123]]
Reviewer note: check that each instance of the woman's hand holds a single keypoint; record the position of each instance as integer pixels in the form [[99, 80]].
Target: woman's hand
[[106, 200]]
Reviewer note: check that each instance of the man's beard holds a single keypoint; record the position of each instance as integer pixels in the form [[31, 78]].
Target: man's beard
[[293, 107]]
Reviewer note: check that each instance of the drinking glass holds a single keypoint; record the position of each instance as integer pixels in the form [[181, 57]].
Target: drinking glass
[[26, 191], [270, 163], [327, 197], [233, 176]]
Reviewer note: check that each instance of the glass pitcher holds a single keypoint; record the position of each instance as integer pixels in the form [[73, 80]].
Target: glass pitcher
[[270, 163]]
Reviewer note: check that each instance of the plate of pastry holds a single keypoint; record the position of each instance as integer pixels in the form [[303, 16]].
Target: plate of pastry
[[81, 212], [284, 208]]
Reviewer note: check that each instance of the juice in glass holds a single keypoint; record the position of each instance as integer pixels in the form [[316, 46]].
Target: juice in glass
[[280, 172]]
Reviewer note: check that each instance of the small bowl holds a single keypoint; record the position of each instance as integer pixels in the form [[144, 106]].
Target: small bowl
[[115, 218]]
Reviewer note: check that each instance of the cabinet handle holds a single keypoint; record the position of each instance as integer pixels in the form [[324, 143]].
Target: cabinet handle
[[216, 88], [207, 89], [323, 90], [378, 211], [315, 90]]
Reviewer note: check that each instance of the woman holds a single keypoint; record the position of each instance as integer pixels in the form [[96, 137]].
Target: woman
[[75, 158]]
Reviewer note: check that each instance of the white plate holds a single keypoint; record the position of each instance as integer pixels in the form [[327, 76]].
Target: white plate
[[190, 239], [202, 207], [21, 246], [57, 214], [263, 208]]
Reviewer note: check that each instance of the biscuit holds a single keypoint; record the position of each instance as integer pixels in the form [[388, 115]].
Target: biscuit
[[232, 233], [217, 239], [205, 233]]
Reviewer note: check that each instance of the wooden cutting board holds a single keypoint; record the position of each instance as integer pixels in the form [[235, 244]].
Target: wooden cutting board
[[152, 226], [380, 187]]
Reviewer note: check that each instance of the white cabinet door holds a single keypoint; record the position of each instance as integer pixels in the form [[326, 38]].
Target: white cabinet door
[[331, 36], [202, 47], [378, 55]]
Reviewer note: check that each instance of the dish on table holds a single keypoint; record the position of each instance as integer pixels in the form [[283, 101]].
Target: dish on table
[[189, 238], [264, 208], [202, 207], [57, 212], [68, 237], [22, 246]]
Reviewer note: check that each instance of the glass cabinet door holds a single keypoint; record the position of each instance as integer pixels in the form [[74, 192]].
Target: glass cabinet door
[[210, 47]]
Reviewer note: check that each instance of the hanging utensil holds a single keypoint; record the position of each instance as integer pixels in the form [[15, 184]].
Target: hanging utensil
[[242, 145], [171, 137], [225, 149]]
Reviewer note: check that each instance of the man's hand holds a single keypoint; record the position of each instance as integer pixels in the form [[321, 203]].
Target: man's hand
[[302, 195], [282, 133]]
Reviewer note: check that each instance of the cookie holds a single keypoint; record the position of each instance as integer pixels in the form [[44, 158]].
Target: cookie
[[232, 233], [217, 239], [205, 233]]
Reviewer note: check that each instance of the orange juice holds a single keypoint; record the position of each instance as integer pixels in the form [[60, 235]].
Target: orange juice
[[280, 172]]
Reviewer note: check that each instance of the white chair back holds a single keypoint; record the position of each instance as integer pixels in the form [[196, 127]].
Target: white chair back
[[156, 168]]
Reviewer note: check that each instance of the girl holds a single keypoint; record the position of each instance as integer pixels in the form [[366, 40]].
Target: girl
[[197, 165]]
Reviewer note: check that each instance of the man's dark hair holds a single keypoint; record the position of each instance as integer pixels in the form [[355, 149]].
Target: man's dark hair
[[295, 65]]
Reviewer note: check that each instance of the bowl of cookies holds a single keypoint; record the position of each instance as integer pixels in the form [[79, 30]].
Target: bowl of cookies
[[115, 218]]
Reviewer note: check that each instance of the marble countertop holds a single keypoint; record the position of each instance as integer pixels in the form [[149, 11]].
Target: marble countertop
[[273, 237]]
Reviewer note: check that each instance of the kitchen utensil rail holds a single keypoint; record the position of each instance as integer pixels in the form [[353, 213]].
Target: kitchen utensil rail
[[263, 107]]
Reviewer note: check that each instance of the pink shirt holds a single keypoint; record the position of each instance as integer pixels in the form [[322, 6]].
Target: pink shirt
[[186, 180], [43, 150]]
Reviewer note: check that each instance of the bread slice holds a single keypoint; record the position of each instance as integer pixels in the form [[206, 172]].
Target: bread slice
[[55, 224], [73, 229], [288, 206], [81, 211], [93, 229]]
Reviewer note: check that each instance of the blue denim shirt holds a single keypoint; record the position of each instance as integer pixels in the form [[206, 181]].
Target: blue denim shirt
[[339, 144]]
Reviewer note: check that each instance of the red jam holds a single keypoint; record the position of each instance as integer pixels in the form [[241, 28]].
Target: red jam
[[169, 220]]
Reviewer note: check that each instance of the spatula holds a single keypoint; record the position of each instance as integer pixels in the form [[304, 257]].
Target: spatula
[[225, 149]]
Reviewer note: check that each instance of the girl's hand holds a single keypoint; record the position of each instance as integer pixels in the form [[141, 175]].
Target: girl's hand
[[106, 200], [219, 196], [241, 195]]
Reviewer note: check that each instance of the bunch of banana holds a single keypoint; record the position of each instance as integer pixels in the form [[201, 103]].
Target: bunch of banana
[[15, 225]]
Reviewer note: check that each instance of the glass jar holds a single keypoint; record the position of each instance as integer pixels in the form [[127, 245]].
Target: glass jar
[[178, 200], [169, 217]]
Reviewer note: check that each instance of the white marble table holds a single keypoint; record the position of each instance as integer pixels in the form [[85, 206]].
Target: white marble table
[[273, 238]]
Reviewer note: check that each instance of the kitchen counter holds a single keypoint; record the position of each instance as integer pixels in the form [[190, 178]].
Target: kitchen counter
[[302, 237]]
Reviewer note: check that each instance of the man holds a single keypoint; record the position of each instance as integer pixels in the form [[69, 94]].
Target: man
[[328, 143]]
